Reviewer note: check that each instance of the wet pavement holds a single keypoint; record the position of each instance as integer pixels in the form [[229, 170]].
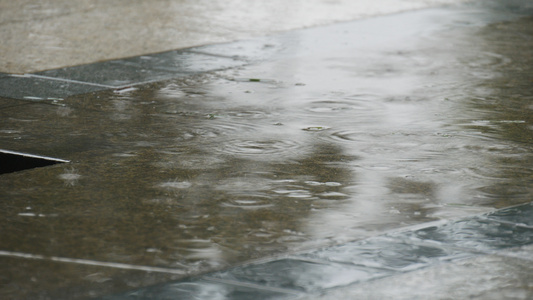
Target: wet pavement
[[374, 158], [51, 34], [461, 259]]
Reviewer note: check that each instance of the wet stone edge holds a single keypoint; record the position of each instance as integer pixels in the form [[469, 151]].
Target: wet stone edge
[[114, 74], [316, 271]]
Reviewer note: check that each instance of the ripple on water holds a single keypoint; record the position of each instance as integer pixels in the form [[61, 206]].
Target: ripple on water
[[347, 135], [247, 114], [339, 102], [215, 130], [190, 161], [258, 148], [175, 184], [249, 203], [331, 106]]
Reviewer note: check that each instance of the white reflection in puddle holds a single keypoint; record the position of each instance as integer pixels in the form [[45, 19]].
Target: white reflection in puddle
[[70, 177]]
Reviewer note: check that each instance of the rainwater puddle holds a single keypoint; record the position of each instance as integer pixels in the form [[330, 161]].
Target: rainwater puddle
[[371, 141]]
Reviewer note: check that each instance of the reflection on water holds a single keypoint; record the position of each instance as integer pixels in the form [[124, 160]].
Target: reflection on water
[[200, 173]]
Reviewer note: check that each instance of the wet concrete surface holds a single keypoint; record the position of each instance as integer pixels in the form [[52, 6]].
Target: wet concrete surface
[[51, 34], [322, 137]]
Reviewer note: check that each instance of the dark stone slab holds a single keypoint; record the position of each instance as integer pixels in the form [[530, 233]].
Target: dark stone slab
[[38, 89], [387, 253], [201, 290], [110, 74], [521, 215], [300, 275], [142, 69], [475, 233]]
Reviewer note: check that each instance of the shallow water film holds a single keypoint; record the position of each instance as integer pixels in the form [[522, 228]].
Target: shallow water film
[[324, 136]]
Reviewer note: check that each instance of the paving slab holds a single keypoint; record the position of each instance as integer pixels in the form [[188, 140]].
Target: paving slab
[[142, 69], [477, 234], [519, 215], [484, 277], [392, 253], [188, 62], [31, 88]]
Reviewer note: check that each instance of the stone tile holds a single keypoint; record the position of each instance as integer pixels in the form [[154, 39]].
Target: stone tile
[[179, 62], [300, 275], [38, 89], [387, 253], [519, 215], [201, 290], [141, 69], [109, 74], [482, 277], [476, 234]]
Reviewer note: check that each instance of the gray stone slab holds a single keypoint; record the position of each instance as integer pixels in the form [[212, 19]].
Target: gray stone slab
[[111, 74], [481, 277], [475, 233], [31, 88], [521, 215], [387, 253], [201, 290], [180, 62], [300, 275]]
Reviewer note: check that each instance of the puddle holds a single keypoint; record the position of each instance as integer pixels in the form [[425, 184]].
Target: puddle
[[358, 133]]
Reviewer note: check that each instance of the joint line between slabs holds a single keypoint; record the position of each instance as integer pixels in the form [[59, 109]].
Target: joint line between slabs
[[91, 262], [69, 81]]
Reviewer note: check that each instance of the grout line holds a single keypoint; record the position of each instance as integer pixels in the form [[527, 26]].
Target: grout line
[[34, 156], [233, 57], [68, 80], [91, 262]]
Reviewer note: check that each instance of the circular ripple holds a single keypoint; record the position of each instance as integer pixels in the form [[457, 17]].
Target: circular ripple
[[252, 114], [253, 148], [250, 203], [335, 106], [215, 130]]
